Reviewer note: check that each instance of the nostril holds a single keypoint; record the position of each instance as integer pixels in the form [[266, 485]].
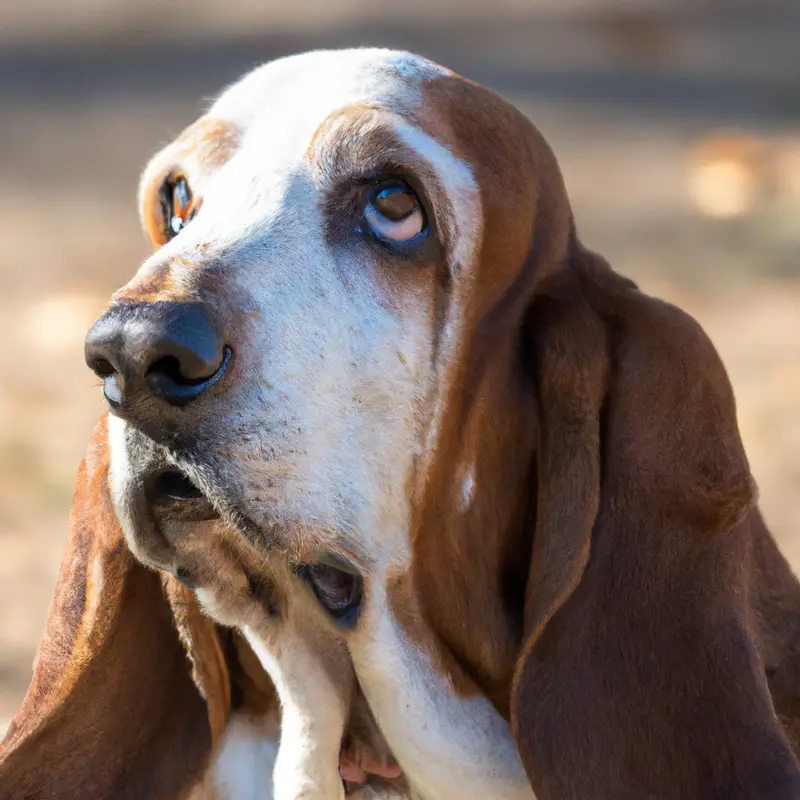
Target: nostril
[[101, 367], [166, 378], [98, 359], [100, 354], [170, 367]]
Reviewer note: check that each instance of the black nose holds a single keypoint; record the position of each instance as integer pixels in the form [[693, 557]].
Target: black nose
[[171, 350]]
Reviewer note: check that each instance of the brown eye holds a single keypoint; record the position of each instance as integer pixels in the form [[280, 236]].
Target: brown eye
[[395, 203], [177, 204], [394, 213]]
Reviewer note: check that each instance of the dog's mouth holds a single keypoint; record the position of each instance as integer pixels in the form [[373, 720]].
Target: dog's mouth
[[172, 495], [173, 499]]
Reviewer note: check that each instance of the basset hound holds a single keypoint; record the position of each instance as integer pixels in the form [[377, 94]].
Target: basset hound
[[475, 505]]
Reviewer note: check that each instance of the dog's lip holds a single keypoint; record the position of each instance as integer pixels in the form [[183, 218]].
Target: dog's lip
[[213, 500], [173, 495]]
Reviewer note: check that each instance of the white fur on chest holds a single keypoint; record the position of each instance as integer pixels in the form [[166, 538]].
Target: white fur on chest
[[244, 761]]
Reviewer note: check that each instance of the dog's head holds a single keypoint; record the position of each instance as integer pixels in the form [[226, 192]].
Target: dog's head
[[369, 347], [330, 235]]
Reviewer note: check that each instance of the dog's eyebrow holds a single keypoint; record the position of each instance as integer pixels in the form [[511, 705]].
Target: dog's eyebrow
[[360, 139]]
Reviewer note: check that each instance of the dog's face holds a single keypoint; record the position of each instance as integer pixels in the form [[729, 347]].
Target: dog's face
[[369, 370], [313, 223], [320, 226]]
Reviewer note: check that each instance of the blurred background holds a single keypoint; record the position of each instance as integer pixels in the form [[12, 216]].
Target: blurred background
[[677, 125]]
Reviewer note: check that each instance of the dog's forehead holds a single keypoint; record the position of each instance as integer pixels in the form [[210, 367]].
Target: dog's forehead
[[283, 103], [259, 160]]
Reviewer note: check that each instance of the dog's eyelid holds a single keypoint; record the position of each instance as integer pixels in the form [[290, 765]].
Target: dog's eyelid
[[336, 561]]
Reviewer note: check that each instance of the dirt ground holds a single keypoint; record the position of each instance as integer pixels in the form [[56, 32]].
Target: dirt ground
[[677, 127]]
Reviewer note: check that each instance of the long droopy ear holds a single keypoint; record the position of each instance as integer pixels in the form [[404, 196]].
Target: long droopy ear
[[130, 690], [638, 675]]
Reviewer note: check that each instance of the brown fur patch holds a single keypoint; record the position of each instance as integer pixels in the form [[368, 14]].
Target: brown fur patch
[[156, 284], [256, 692], [203, 646]]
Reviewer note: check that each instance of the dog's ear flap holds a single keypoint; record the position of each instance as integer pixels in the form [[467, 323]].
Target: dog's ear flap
[[569, 349], [637, 675], [130, 689]]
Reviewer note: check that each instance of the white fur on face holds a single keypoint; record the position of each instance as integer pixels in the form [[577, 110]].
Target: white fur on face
[[467, 491], [337, 399]]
